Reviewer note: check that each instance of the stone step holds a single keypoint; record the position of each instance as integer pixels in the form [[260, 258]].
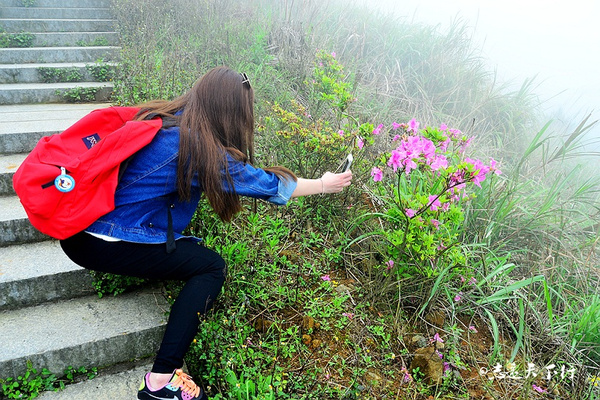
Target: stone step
[[14, 25], [15, 227], [86, 331], [8, 166], [31, 73], [122, 384], [59, 3], [54, 13], [35, 273], [62, 39], [23, 125], [23, 93], [58, 54]]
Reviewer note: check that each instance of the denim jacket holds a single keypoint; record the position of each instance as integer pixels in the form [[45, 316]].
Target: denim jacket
[[147, 208]]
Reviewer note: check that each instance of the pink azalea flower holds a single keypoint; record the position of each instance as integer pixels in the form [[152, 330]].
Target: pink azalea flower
[[437, 338], [410, 212], [472, 329], [395, 160], [434, 202], [360, 142], [444, 145], [462, 279], [446, 367], [428, 148], [395, 125], [413, 125], [538, 389], [466, 144], [439, 162], [409, 165], [455, 133], [333, 54], [472, 281], [341, 132], [349, 315], [480, 172], [326, 278], [493, 167], [390, 264], [435, 223], [458, 297], [397, 137], [377, 174], [443, 127], [377, 130], [414, 145]]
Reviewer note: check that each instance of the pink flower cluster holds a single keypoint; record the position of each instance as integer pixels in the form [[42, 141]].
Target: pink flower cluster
[[413, 150], [481, 170]]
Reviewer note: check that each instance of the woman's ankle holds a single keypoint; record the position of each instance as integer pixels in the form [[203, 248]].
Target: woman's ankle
[[157, 381]]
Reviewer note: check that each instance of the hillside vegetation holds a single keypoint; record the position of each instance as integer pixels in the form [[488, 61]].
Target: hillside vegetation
[[462, 263]]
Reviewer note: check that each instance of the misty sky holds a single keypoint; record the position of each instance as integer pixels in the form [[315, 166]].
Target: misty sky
[[559, 41]]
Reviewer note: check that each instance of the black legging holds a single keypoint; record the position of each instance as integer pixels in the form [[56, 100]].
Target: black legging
[[201, 268]]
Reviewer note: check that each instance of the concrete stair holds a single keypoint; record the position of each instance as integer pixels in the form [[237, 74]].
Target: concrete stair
[[67, 35], [49, 312], [32, 73]]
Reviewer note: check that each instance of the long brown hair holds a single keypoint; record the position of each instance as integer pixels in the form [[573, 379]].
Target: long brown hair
[[217, 118]]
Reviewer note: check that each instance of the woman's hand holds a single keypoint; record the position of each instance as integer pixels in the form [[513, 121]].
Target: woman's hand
[[328, 183], [335, 183]]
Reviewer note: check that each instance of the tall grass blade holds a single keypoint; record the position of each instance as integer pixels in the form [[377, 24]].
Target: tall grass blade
[[507, 292], [495, 334], [549, 305], [434, 289], [520, 333]]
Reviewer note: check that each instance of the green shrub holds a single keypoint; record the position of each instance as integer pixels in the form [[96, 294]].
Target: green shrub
[[23, 39], [101, 71], [79, 94], [32, 383], [111, 284], [420, 187], [51, 75]]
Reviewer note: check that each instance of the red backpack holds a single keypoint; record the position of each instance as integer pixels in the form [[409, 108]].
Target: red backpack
[[69, 179]]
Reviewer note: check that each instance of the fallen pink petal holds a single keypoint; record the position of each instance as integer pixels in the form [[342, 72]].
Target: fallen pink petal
[[538, 389]]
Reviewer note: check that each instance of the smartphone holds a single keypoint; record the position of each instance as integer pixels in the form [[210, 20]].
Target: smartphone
[[347, 163]]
